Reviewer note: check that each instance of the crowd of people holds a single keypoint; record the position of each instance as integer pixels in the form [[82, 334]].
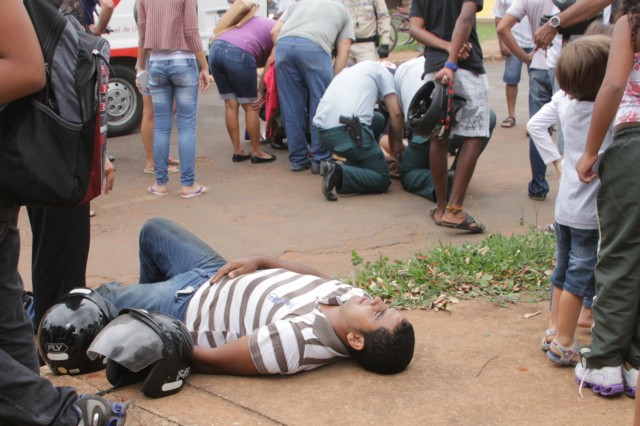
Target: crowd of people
[[344, 113]]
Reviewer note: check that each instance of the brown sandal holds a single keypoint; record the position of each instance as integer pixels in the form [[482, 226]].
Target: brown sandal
[[508, 122]]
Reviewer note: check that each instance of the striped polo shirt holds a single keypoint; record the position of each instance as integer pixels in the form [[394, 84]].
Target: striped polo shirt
[[279, 310]]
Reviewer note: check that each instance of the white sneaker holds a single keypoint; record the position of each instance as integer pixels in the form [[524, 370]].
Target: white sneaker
[[606, 381], [630, 376]]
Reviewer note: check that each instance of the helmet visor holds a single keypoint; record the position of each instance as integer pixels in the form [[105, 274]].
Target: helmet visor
[[129, 342]]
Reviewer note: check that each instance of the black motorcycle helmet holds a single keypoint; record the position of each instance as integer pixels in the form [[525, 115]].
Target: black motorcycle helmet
[[433, 111], [145, 346], [68, 328]]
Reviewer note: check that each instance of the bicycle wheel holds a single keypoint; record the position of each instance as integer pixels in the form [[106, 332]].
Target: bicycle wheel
[[393, 37]]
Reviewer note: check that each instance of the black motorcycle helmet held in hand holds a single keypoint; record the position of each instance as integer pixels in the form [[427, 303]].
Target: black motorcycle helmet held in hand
[[433, 111]]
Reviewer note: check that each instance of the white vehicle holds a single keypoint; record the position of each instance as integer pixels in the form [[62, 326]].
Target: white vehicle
[[125, 102]]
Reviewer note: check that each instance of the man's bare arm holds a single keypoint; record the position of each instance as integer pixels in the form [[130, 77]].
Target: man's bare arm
[[506, 37], [22, 69], [106, 10], [580, 11], [342, 56], [246, 265], [233, 358]]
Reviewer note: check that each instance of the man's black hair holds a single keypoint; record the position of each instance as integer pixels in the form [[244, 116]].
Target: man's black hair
[[386, 352]]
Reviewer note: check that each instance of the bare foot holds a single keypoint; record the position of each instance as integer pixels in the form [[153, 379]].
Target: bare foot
[[586, 318]]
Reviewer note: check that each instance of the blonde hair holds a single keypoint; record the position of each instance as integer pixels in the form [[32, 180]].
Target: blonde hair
[[581, 66], [598, 27]]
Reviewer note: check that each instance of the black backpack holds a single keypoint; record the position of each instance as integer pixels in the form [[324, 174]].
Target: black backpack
[[53, 143]]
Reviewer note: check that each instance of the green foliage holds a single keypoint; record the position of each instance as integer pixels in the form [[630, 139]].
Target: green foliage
[[486, 31], [500, 269]]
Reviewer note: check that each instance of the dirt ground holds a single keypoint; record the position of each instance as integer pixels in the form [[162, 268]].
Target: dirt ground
[[478, 364]]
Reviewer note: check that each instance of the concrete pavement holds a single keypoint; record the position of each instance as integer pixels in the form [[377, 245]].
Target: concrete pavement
[[479, 364]]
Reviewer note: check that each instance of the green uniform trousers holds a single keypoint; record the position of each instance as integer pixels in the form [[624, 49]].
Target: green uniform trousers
[[415, 174], [365, 170], [616, 334]]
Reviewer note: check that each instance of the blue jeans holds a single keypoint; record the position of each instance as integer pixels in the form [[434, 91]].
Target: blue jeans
[[303, 71], [540, 93], [513, 68], [168, 80], [25, 397], [234, 71], [576, 255], [174, 263]]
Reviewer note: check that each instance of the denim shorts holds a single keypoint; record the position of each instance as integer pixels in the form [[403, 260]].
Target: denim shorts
[[234, 71], [576, 255], [513, 69]]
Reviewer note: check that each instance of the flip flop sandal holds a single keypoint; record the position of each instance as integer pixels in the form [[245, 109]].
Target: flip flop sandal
[[567, 355], [432, 215], [152, 190], [508, 122], [201, 191], [465, 225]]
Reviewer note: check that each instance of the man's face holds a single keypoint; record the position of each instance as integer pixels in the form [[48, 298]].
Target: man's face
[[364, 314]]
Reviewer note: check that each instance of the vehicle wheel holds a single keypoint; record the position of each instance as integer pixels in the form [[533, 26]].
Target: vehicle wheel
[[125, 101]]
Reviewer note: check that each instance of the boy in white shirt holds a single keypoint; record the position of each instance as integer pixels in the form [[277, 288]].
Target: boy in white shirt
[[580, 71]]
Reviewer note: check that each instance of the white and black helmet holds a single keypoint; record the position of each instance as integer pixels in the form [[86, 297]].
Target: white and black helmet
[[145, 346], [433, 111], [68, 328]]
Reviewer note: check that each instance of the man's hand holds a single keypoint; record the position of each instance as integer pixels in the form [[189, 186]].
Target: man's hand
[[383, 51], [237, 267], [584, 167], [544, 36], [109, 175], [446, 76], [504, 51], [465, 51]]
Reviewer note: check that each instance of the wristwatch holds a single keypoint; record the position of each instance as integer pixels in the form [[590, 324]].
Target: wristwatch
[[554, 22]]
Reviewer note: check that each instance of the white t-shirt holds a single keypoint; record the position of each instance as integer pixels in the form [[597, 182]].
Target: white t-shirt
[[576, 201], [408, 80], [354, 92], [533, 10], [521, 31]]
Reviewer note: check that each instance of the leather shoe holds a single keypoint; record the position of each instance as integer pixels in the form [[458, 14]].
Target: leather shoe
[[256, 160], [300, 168], [239, 157], [279, 144], [327, 171]]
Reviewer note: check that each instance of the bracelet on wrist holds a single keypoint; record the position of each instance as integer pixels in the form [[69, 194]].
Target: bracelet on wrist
[[451, 66]]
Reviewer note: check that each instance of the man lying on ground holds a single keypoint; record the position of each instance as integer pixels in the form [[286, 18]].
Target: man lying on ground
[[260, 315]]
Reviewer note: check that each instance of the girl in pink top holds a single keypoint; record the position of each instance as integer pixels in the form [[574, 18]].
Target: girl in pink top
[[168, 33]]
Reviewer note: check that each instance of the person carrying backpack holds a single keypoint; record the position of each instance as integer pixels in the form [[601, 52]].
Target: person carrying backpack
[[28, 398], [61, 236]]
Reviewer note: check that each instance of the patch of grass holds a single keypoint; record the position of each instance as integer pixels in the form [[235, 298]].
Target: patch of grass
[[499, 269], [486, 31]]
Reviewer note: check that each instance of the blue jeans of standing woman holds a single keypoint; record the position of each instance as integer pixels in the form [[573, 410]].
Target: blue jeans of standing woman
[[303, 69], [174, 263], [174, 79]]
